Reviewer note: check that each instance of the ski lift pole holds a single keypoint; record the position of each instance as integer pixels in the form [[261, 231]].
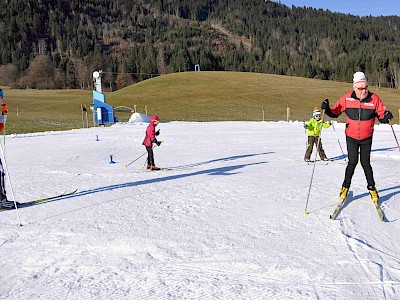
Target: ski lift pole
[[315, 160], [394, 134]]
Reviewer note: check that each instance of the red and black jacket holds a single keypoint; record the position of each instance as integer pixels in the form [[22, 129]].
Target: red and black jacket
[[361, 114]]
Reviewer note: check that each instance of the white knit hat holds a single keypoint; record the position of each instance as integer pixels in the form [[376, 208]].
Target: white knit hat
[[316, 111], [359, 77]]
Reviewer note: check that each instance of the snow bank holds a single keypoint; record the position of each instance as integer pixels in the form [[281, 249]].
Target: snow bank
[[139, 118]]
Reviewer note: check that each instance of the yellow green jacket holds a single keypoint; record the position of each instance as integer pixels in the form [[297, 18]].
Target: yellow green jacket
[[314, 127]]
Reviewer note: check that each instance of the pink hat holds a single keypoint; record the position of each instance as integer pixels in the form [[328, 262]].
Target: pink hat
[[154, 118], [359, 77]]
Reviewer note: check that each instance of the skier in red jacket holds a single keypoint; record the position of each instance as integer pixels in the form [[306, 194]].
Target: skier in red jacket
[[151, 139], [361, 107]]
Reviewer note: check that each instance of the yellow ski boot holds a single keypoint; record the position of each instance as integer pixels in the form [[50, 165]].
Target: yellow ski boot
[[343, 192], [374, 193]]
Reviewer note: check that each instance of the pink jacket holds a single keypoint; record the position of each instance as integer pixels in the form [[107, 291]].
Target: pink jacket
[[150, 135]]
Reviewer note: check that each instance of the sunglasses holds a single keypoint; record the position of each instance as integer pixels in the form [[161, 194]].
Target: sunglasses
[[318, 116], [362, 88]]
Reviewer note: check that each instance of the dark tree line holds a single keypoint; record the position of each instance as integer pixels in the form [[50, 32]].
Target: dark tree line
[[58, 44]]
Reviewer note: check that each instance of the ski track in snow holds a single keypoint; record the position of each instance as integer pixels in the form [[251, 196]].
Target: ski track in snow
[[226, 222]]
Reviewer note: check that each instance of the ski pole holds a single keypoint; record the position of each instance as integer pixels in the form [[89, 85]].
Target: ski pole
[[135, 159], [338, 141], [145, 162], [138, 157], [390, 122], [315, 160], [9, 181]]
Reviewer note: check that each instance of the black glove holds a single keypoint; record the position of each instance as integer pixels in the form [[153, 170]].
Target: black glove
[[305, 125], [387, 116], [156, 142], [325, 104], [158, 132]]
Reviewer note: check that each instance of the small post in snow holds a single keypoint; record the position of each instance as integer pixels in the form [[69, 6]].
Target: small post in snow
[[287, 112], [263, 113]]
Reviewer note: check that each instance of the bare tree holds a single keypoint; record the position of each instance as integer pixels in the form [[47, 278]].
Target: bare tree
[[109, 78], [8, 75], [161, 61], [40, 73], [394, 69], [123, 80], [83, 74]]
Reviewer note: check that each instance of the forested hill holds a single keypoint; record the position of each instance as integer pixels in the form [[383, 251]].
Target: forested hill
[[58, 44]]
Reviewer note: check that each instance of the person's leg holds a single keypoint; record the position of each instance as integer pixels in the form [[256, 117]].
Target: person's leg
[[352, 152], [150, 159], [3, 197], [321, 150], [365, 158], [2, 183], [150, 156], [310, 145]]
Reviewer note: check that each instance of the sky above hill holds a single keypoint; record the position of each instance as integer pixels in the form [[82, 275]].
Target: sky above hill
[[356, 7]]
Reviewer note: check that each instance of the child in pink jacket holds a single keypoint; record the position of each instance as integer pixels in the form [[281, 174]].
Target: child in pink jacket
[[149, 140]]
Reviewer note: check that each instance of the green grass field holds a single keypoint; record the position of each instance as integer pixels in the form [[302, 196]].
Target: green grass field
[[189, 96]]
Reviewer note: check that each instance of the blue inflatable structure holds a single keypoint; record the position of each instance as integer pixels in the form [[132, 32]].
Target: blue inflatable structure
[[102, 112]]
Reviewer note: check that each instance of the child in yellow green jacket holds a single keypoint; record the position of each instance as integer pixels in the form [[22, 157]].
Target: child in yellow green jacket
[[313, 127]]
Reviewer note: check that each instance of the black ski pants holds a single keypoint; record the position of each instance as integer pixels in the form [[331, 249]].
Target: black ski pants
[[150, 156], [354, 149]]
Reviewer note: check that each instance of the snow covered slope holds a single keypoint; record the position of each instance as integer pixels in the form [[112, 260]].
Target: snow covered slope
[[227, 222]]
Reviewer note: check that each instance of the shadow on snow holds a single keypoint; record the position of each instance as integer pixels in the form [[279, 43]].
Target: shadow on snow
[[342, 157], [221, 171]]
